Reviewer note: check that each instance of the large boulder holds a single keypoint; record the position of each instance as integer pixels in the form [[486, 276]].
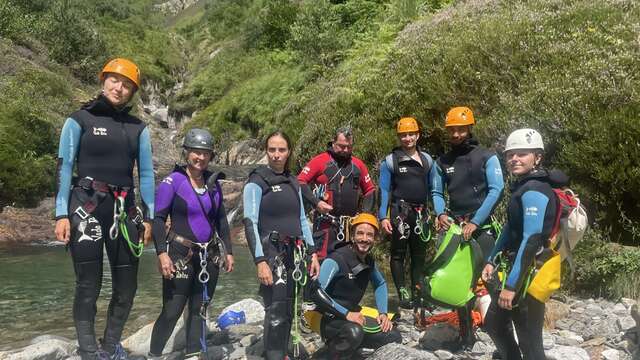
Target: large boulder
[[139, 342], [47, 349], [253, 310], [554, 311], [567, 353], [441, 336], [395, 351]]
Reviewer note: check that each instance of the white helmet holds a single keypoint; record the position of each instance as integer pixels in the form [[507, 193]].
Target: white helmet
[[524, 139]]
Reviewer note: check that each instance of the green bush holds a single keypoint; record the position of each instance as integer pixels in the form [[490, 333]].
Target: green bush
[[566, 68], [603, 268], [26, 161]]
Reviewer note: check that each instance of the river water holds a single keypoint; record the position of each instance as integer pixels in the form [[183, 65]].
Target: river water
[[37, 287]]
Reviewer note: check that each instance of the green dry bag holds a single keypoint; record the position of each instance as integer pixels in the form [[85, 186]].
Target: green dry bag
[[451, 276]]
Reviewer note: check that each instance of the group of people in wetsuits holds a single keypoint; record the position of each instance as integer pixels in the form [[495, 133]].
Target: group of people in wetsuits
[[329, 261]]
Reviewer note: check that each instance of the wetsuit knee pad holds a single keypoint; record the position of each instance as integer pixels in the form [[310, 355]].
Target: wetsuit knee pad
[[125, 283], [88, 284], [173, 308], [278, 322], [348, 338]]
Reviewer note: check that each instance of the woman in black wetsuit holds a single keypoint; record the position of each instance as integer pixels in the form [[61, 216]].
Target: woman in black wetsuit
[[97, 208], [191, 195], [524, 240], [276, 227]]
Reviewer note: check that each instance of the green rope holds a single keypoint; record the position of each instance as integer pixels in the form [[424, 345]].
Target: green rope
[[136, 249], [423, 237]]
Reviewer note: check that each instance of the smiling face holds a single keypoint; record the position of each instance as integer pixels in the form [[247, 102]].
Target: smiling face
[[277, 153], [198, 159], [118, 89], [458, 134], [521, 162], [409, 140], [363, 238]]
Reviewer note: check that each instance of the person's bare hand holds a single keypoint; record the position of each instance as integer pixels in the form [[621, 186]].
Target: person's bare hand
[[264, 274], [386, 226]]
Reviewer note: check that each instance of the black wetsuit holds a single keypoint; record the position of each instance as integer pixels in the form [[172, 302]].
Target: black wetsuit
[[472, 177], [344, 278], [105, 144], [273, 217], [530, 218], [404, 190], [196, 217]]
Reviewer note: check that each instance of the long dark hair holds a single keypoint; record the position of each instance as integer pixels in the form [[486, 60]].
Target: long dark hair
[[286, 138]]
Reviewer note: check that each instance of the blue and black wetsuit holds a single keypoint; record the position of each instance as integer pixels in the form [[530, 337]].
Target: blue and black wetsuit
[[472, 177], [104, 144], [530, 217], [404, 196], [273, 218], [342, 283], [196, 215]]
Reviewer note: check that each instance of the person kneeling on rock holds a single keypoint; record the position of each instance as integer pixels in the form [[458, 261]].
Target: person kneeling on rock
[[344, 275]]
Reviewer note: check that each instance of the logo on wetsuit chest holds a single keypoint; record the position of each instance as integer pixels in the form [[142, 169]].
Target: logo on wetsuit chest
[[350, 276], [100, 131], [276, 188], [450, 170], [403, 169]]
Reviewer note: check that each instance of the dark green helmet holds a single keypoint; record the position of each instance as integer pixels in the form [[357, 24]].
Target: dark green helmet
[[198, 139]]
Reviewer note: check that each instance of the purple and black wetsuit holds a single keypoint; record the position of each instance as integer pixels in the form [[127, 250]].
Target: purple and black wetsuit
[[196, 216]]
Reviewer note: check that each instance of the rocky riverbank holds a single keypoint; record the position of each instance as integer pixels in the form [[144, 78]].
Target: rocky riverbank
[[576, 329]]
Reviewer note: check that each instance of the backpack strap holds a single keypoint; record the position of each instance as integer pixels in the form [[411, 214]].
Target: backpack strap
[[445, 256]]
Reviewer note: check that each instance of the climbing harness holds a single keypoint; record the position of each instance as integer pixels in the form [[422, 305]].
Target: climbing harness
[[405, 229], [343, 232], [119, 225], [419, 228], [300, 277], [341, 222], [503, 266]]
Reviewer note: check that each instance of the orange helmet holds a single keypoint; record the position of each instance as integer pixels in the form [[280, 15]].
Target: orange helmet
[[407, 124], [459, 116], [365, 218], [123, 67]]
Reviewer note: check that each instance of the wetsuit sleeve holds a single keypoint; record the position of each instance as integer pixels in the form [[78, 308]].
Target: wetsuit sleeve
[[380, 290], [304, 225], [67, 151], [308, 196], [164, 195], [366, 185], [251, 197], [534, 205], [495, 184], [437, 189], [328, 270], [145, 172], [385, 190], [223, 227], [500, 243]]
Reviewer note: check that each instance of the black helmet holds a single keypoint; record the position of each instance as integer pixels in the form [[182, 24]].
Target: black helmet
[[198, 139]]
